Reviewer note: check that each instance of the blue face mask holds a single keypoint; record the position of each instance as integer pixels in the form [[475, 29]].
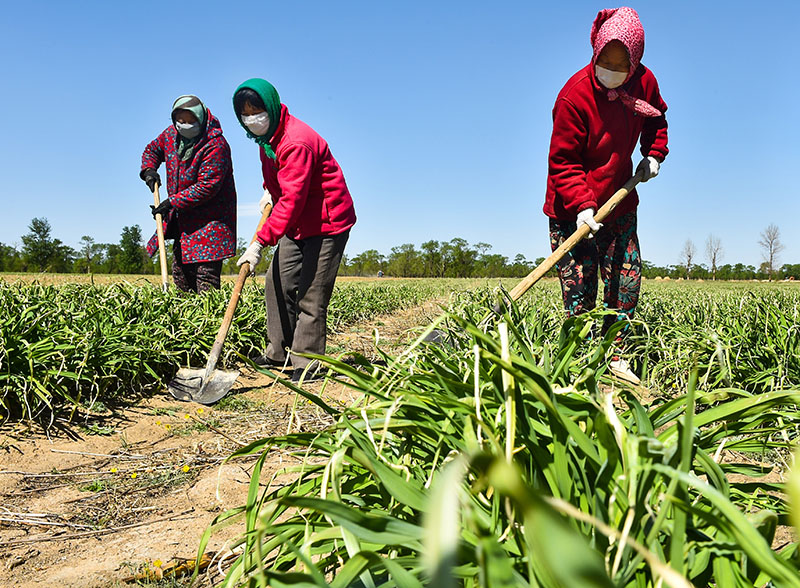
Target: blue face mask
[[188, 131]]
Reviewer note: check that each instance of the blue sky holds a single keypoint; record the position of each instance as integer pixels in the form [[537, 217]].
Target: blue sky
[[438, 112]]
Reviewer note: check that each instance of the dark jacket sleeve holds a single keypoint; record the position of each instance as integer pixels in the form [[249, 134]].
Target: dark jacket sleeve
[[654, 129], [565, 163], [210, 176], [294, 176]]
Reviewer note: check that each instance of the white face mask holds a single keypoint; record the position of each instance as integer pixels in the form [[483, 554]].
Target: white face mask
[[609, 78], [258, 124], [188, 130]]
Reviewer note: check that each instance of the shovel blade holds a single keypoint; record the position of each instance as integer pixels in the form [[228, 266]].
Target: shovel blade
[[190, 385]]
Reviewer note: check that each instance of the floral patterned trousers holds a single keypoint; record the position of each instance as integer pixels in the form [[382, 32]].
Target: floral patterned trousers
[[615, 250]]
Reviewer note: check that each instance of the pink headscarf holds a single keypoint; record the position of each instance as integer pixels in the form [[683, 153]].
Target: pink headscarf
[[622, 24]]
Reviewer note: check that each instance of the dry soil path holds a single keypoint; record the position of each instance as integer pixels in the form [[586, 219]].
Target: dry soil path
[[113, 495]]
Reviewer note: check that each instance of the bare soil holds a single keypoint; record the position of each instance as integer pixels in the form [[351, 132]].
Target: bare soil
[[125, 493]]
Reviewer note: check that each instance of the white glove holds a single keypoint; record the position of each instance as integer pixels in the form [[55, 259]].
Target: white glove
[[252, 255], [649, 167], [586, 217], [267, 199]]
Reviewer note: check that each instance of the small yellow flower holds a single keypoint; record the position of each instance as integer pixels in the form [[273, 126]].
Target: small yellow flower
[[185, 468], [158, 422], [133, 475], [157, 563], [167, 427], [200, 410], [113, 470], [187, 416]]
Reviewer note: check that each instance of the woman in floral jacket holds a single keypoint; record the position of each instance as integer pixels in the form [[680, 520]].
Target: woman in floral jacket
[[200, 209]]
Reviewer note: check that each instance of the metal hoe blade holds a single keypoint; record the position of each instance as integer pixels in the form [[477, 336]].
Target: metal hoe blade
[[195, 385]]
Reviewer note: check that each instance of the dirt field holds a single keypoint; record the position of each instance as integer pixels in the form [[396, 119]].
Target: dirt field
[[129, 492]]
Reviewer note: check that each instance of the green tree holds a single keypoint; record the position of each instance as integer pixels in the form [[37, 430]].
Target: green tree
[[41, 252], [404, 261], [10, 260], [791, 271], [367, 263], [551, 273], [229, 265], [650, 270], [88, 255], [522, 267], [459, 258], [131, 254], [110, 263], [432, 260], [744, 272], [493, 265]]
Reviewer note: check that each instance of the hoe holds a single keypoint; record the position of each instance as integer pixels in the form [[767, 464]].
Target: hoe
[[571, 241], [437, 336], [208, 385]]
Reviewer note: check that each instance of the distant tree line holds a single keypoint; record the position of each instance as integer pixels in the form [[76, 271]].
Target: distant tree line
[[687, 267], [41, 252], [728, 271], [437, 259]]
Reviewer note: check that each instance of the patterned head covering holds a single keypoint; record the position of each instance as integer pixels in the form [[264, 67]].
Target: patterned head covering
[[623, 25], [191, 103], [194, 105]]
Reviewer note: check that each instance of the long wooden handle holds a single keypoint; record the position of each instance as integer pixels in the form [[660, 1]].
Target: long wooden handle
[[162, 251], [573, 239], [244, 271]]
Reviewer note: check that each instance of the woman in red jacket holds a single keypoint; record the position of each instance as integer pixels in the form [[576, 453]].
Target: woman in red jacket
[[599, 116], [200, 208], [310, 222]]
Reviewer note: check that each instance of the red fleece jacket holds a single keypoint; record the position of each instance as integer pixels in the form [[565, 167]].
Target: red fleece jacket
[[593, 141], [309, 194]]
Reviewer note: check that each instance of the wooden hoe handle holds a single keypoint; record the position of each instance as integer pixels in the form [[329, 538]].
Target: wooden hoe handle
[[573, 239], [244, 271], [162, 251]]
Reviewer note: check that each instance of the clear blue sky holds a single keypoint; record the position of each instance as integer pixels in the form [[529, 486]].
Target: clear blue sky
[[438, 112]]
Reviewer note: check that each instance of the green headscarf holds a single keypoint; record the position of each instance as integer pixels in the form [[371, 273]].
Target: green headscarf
[[194, 105], [272, 102]]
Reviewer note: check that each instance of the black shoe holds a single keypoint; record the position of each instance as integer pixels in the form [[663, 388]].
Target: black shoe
[[311, 375], [264, 361]]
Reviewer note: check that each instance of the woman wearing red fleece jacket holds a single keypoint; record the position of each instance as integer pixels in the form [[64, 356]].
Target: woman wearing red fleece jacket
[[599, 116], [310, 222]]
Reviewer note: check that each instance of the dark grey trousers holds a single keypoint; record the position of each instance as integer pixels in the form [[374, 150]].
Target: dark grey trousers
[[300, 282]]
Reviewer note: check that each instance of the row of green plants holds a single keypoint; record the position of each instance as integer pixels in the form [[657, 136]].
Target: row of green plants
[[747, 337], [505, 456], [72, 345]]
